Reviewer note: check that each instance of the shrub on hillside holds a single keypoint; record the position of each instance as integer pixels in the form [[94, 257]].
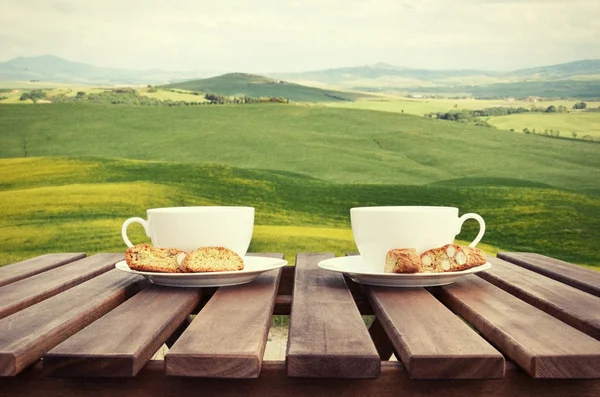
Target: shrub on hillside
[[34, 95]]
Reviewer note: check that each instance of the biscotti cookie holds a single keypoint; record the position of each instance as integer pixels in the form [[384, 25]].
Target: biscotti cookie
[[146, 258], [402, 260], [451, 258], [475, 256], [212, 259]]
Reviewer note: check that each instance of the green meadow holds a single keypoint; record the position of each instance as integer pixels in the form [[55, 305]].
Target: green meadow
[[56, 204], [336, 145], [422, 106], [574, 124], [583, 123], [71, 173]]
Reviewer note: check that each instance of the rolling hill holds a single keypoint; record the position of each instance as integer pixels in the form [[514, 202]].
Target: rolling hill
[[78, 204], [71, 173], [333, 144], [255, 86]]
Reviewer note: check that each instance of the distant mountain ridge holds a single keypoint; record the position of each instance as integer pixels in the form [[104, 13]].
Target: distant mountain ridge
[[579, 79], [564, 70], [55, 69], [390, 75], [50, 68]]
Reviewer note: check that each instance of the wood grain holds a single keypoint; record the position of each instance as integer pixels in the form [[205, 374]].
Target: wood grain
[[571, 305], [227, 338], [431, 341], [27, 268], [274, 382], [327, 336], [542, 345], [587, 280], [121, 342], [26, 292], [25, 336]]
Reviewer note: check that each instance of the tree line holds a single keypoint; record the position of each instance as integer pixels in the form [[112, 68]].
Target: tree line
[[460, 115], [130, 96]]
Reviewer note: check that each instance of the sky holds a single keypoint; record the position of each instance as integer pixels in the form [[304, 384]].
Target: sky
[[269, 36]]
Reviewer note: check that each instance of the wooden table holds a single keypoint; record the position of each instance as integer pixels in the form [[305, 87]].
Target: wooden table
[[73, 325]]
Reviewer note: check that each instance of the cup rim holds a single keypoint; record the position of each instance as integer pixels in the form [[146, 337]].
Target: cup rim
[[402, 208], [202, 208]]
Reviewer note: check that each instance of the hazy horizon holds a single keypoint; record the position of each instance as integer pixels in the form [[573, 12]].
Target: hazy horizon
[[267, 36]]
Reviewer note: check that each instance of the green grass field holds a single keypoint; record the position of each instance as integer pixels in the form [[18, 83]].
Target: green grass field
[[71, 173], [337, 145], [584, 124], [67, 204], [420, 107]]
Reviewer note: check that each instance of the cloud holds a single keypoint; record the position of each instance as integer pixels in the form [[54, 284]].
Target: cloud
[[274, 35]]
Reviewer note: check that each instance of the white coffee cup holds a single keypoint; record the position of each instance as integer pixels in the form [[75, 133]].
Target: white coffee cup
[[377, 230], [188, 228]]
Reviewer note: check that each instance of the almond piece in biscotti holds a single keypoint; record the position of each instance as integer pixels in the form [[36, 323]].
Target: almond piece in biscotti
[[451, 258], [180, 258], [474, 256], [402, 260]]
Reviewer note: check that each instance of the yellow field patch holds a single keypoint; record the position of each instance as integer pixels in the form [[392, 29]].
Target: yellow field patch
[[163, 95], [44, 169], [62, 201]]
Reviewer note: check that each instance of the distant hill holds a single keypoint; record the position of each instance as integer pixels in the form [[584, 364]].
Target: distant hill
[[50, 68], [589, 90], [588, 67], [380, 73], [574, 79], [444, 77], [251, 85]]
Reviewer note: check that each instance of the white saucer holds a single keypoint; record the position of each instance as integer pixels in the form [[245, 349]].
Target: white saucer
[[253, 267], [359, 272]]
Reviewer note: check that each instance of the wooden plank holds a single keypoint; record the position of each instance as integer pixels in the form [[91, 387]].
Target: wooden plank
[[27, 268], [571, 305], [431, 341], [227, 338], [587, 280], [26, 292], [25, 336], [283, 300], [542, 345], [327, 336], [382, 342], [121, 342], [274, 382]]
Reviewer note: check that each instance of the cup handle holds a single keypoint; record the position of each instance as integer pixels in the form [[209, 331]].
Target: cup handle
[[126, 224], [479, 219]]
